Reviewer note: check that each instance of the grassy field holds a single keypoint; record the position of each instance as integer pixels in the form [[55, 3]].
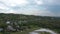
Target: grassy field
[[27, 31], [23, 32]]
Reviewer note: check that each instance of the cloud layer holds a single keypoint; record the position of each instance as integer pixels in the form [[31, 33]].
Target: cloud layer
[[31, 7]]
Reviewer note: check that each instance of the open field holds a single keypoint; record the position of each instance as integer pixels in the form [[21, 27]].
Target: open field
[[23, 32]]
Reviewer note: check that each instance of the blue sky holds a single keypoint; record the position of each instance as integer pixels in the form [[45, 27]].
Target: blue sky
[[31, 7]]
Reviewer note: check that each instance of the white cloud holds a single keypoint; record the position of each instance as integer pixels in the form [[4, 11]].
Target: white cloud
[[24, 8], [5, 6], [39, 2], [15, 2], [11, 11], [2, 6], [7, 11], [35, 12]]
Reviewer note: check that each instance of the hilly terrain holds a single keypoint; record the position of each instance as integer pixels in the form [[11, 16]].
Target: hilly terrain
[[31, 21]]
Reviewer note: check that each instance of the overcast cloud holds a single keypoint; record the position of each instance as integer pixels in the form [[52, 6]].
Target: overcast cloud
[[31, 7]]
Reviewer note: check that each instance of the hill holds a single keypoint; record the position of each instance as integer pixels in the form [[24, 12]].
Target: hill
[[32, 21]]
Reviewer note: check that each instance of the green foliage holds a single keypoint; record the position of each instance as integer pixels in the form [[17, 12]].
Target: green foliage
[[32, 21]]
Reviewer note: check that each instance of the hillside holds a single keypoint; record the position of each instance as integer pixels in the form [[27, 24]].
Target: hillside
[[32, 21]]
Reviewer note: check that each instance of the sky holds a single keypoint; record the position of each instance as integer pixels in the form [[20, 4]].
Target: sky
[[31, 7]]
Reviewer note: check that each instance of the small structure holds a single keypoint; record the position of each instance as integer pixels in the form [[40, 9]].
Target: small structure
[[8, 22]]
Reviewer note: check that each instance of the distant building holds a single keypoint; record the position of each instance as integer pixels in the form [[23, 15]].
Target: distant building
[[8, 22]]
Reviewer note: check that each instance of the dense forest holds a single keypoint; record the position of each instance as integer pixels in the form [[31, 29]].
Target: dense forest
[[31, 21]]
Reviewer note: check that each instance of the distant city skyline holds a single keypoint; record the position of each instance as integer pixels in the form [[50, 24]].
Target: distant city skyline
[[31, 7]]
